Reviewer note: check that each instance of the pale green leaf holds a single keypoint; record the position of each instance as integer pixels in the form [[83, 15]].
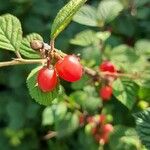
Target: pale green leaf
[[25, 48], [109, 10], [143, 126], [84, 38], [60, 111], [126, 92], [89, 37], [142, 47], [64, 16], [10, 32], [86, 16], [47, 116], [44, 98], [103, 36]]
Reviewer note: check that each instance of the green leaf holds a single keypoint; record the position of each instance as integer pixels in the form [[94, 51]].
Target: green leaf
[[25, 48], [103, 36], [16, 113], [64, 16], [125, 25], [84, 38], [10, 32], [68, 125], [124, 57], [139, 3], [86, 16], [87, 99], [109, 10], [142, 47], [124, 138], [60, 111], [44, 98], [81, 83], [89, 37], [143, 126], [126, 92], [47, 116]]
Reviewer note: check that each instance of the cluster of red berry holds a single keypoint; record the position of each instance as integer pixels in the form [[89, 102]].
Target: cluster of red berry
[[106, 90], [99, 128], [67, 68]]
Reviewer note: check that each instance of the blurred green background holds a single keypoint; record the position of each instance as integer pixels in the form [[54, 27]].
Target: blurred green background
[[20, 116]]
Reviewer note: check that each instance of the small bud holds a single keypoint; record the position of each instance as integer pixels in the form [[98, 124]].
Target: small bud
[[46, 47], [36, 44]]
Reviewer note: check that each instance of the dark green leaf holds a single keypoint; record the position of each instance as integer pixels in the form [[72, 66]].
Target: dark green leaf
[[143, 126], [126, 92], [16, 113], [124, 138], [68, 125]]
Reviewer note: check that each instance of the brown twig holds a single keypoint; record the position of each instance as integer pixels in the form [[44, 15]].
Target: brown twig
[[50, 135], [18, 54], [96, 75], [20, 61]]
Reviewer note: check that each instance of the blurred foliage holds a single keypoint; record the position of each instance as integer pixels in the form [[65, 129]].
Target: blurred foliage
[[123, 38]]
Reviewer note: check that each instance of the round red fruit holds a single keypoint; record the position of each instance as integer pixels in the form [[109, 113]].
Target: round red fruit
[[107, 66], [47, 79], [69, 68], [106, 92], [102, 118], [107, 128], [90, 119], [104, 138], [81, 119]]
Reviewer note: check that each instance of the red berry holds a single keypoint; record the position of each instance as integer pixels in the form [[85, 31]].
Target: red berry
[[90, 119], [47, 79], [103, 138], [107, 66], [81, 119], [102, 118], [106, 92], [94, 130], [69, 68], [97, 137], [107, 128]]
